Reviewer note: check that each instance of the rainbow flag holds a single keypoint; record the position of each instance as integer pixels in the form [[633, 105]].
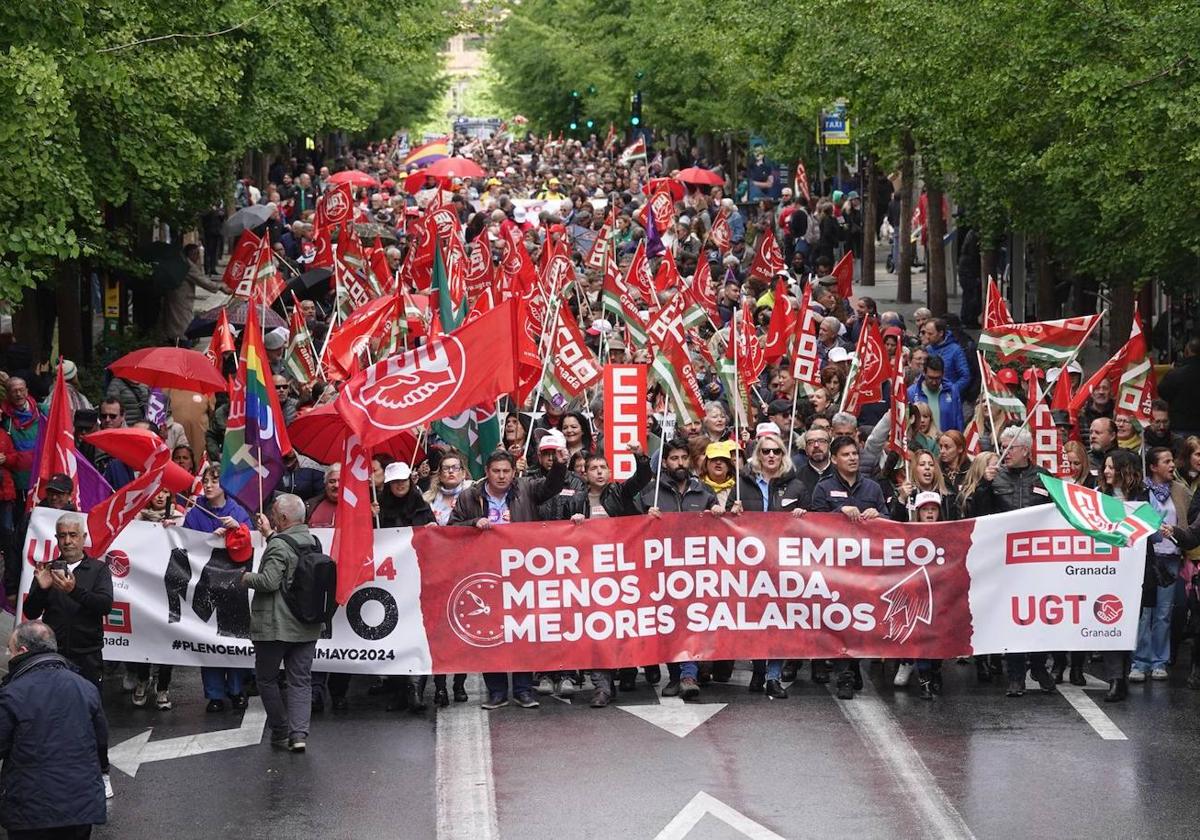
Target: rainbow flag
[[429, 152], [255, 436]]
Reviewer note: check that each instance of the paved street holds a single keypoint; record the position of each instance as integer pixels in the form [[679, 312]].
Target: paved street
[[887, 764]]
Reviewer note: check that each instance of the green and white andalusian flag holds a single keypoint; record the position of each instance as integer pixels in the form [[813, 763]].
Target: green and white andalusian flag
[[1103, 518], [475, 433], [1042, 344]]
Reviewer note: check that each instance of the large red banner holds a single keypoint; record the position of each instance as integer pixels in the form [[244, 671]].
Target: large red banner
[[692, 587]]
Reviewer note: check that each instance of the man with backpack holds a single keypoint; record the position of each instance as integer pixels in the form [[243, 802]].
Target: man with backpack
[[287, 613]]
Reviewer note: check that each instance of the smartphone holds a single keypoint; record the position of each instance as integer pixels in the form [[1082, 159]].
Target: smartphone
[[58, 566]]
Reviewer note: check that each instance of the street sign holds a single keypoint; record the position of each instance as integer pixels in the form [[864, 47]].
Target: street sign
[[834, 126]]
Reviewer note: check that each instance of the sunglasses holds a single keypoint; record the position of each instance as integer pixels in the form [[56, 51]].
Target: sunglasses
[[771, 451], [109, 416]]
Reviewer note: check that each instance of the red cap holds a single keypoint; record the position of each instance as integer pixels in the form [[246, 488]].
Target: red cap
[[237, 543], [895, 332], [1007, 375]]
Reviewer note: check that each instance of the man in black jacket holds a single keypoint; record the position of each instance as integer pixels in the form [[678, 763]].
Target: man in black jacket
[[500, 498], [52, 732], [1013, 485], [74, 596], [859, 499]]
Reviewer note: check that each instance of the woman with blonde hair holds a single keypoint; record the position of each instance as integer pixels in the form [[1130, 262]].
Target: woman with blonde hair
[[923, 433], [923, 474], [1077, 457]]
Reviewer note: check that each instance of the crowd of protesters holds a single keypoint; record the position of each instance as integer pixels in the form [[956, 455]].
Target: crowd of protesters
[[781, 451]]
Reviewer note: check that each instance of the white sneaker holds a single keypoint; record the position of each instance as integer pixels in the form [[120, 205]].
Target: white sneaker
[[1136, 675], [139, 694], [1159, 674], [545, 686], [903, 674], [108, 791], [162, 701], [128, 681], [567, 687]]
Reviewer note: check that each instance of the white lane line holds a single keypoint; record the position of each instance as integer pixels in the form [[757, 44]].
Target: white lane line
[[703, 804], [466, 791], [1089, 711], [881, 733]]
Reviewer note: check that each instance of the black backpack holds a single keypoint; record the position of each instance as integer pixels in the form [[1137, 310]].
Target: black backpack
[[310, 594]]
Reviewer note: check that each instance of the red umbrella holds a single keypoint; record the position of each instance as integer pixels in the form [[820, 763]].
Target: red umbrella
[[455, 167], [132, 447], [696, 175], [321, 435], [170, 367], [355, 178], [656, 184]]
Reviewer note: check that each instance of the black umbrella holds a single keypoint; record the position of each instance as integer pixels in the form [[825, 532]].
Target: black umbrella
[[368, 231], [311, 285], [248, 217], [235, 311]]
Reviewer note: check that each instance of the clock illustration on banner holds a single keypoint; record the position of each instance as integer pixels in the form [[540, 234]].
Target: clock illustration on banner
[[475, 610]]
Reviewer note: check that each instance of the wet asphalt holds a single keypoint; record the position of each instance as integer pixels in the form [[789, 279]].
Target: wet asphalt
[[1026, 768]]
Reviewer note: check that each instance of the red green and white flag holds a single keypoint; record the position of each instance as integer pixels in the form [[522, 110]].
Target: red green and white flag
[[1103, 518], [971, 433], [998, 394], [674, 370], [615, 298], [1042, 344], [898, 408], [573, 367], [601, 251], [698, 294], [301, 357]]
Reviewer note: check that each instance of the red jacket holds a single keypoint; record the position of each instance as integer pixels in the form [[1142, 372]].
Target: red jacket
[[8, 488]]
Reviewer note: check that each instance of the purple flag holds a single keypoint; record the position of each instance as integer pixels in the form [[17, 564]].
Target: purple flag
[[93, 489], [156, 408], [654, 243]]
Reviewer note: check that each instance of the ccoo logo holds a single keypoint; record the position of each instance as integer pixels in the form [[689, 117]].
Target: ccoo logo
[[1108, 609]]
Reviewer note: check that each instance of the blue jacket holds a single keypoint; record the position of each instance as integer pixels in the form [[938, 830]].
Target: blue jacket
[[51, 728], [949, 403], [958, 372]]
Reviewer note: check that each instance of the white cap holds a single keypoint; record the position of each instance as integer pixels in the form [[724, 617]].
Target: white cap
[[553, 439], [396, 471], [769, 428], [839, 354], [927, 497], [519, 215], [600, 327]]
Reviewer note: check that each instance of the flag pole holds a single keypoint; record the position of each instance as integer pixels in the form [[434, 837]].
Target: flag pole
[[662, 445], [1074, 354], [547, 342], [987, 398], [737, 396]]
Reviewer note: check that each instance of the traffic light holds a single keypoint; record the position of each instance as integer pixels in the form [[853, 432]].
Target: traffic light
[[591, 123], [574, 110], [635, 109]]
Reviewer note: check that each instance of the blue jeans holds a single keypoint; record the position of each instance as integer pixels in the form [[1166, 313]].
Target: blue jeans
[[1154, 627], [497, 683], [774, 669], [221, 683]]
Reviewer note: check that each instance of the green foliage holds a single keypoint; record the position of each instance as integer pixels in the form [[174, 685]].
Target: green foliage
[[1074, 119], [109, 126]]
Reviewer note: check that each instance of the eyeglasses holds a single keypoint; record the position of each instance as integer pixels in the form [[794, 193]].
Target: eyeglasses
[[450, 468], [771, 451], [109, 416]]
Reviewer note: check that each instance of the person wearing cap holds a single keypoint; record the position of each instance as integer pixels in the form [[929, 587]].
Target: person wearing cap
[[552, 191], [942, 397], [60, 490], [859, 499], [71, 380], [616, 351], [720, 469], [401, 504], [939, 341], [560, 507], [500, 498], [275, 342]]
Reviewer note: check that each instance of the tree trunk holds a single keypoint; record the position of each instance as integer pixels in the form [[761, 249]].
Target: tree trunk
[[987, 264], [904, 269], [1120, 314], [70, 316], [867, 276], [1045, 306], [936, 279]]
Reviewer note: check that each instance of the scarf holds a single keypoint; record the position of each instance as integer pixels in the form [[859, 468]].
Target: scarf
[[1160, 492], [718, 486], [451, 491]]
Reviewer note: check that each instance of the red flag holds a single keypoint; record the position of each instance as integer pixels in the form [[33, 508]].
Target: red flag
[[869, 370], [335, 207], [380, 269], [1060, 400], [611, 139], [356, 333], [668, 323], [638, 278], [844, 273], [699, 292], [695, 342], [574, 365], [898, 408], [519, 273], [720, 234], [781, 326], [601, 251], [263, 282], [674, 370], [971, 433], [353, 531], [323, 243], [446, 376], [801, 184], [995, 309], [806, 366], [240, 264], [744, 347], [481, 274], [1137, 388], [58, 444], [667, 276], [221, 342], [1047, 451], [768, 259], [107, 520], [527, 365]]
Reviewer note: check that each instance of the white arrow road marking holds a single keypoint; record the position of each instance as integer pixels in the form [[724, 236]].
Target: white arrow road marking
[[702, 804], [1086, 706], [466, 791], [881, 733], [675, 716], [129, 755]]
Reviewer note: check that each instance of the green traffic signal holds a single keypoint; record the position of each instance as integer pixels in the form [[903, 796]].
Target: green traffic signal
[[591, 123], [574, 126], [635, 120], [574, 94]]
